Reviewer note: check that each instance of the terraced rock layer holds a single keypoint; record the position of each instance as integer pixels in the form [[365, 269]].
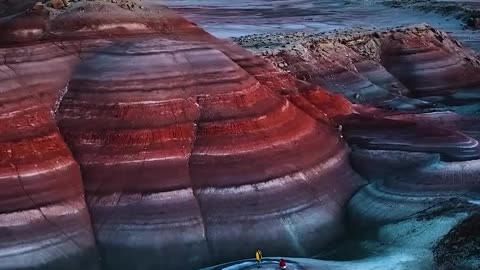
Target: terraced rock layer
[[184, 144], [414, 130], [43, 216], [414, 70], [406, 69], [190, 151]]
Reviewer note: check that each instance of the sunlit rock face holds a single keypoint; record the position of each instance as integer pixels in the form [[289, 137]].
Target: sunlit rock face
[[183, 145]]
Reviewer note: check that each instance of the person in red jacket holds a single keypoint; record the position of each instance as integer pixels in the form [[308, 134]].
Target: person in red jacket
[[282, 264]]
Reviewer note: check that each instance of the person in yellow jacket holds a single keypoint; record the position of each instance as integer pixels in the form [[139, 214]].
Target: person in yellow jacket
[[258, 257]]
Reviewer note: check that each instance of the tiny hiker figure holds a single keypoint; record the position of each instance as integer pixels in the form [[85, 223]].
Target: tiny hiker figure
[[282, 264], [258, 257]]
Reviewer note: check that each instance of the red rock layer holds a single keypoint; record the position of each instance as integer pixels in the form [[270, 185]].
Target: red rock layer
[[381, 59], [87, 21], [130, 121], [404, 69], [183, 140], [181, 146], [314, 100], [429, 63], [332, 67], [44, 221], [194, 152], [414, 161], [331, 64], [235, 192]]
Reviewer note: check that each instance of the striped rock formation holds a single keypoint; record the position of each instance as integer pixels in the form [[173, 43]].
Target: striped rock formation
[[181, 146], [190, 151], [404, 69], [43, 216], [185, 145], [422, 139], [418, 155]]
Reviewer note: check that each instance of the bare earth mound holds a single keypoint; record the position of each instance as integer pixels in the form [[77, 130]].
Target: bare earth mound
[[133, 139]]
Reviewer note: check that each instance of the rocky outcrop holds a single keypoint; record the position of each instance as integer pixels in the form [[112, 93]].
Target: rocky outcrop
[[429, 63], [459, 249], [402, 69], [420, 63]]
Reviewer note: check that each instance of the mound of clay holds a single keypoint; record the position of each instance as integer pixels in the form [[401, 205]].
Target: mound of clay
[[183, 141], [403, 69], [190, 151], [414, 130]]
